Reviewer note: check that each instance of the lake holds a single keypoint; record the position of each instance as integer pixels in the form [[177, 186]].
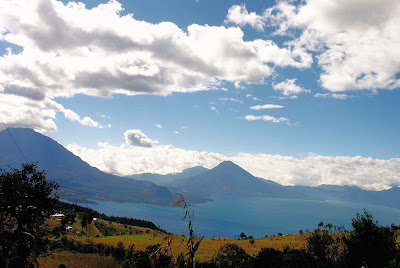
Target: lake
[[227, 216]]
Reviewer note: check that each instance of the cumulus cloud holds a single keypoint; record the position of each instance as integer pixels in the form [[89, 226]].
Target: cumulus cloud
[[68, 49], [126, 160], [266, 118], [240, 16], [355, 42], [289, 88], [313, 170], [135, 137], [266, 106], [18, 111]]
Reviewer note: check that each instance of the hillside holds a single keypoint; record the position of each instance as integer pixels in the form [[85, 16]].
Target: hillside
[[76, 175]]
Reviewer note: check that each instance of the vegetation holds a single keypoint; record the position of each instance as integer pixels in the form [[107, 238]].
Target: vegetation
[[26, 200]]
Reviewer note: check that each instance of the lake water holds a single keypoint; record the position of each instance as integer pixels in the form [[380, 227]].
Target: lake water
[[228, 216]]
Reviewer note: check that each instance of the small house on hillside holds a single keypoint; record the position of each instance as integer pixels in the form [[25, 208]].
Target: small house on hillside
[[57, 216]]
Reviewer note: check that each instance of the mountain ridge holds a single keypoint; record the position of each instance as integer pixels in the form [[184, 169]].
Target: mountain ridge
[[70, 171], [198, 184]]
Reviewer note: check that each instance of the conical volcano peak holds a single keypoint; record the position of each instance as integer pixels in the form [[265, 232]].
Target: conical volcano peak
[[227, 164]]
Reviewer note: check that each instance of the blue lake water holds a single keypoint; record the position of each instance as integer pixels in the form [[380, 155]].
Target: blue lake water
[[227, 216]]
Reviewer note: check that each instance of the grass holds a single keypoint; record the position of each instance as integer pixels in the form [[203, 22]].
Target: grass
[[208, 247], [77, 260], [143, 237]]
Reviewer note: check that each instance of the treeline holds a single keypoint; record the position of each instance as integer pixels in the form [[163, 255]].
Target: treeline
[[68, 208]]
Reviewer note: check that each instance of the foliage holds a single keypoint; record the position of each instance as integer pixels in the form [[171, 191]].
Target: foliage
[[268, 257], [242, 235], [318, 244], [370, 243], [73, 208], [232, 256], [26, 200]]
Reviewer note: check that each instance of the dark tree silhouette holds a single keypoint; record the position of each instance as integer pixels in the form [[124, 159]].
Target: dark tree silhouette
[[26, 200], [370, 243], [231, 255]]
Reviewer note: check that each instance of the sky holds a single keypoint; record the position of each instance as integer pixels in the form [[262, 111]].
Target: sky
[[298, 92]]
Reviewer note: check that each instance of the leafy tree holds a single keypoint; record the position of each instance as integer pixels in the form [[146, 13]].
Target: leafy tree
[[297, 258], [86, 219], [318, 244], [232, 256], [370, 243], [242, 235], [329, 226], [68, 219], [26, 200], [268, 257]]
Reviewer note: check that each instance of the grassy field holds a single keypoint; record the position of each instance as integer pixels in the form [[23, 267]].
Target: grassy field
[[77, 260], [208, 247], [143, 237]]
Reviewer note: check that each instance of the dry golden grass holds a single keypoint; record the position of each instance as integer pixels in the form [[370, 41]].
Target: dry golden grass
[[77, 260], [208, 247], [51, 223]]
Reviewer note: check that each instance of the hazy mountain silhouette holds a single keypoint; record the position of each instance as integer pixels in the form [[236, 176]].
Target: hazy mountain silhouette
[[166, 180], [229, 179], [70, 171], [198, 184]]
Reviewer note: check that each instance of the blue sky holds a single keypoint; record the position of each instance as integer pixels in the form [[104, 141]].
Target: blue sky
[[299, 92]]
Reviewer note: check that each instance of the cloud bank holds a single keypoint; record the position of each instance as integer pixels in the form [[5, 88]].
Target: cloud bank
[[313, 170]]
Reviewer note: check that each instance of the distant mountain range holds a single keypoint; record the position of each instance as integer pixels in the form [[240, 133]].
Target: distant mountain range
[[198, 184]]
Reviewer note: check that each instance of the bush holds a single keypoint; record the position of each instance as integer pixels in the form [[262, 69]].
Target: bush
[[231, 255]]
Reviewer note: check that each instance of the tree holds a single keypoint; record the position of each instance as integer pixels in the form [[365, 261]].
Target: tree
[[86, 219], [242, 235], [232, 256], [370, 243], [268, 257], [26, 200], [318, 244]]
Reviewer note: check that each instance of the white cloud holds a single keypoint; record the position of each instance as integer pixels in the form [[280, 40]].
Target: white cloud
[[313, 170], [266, 118], [266, 106], [231, 99], [125, 160], [289, 88], [18, 111], [356, 41], [69, 50], [331, 95], [86, 121], [240, 16], [135, 137]]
